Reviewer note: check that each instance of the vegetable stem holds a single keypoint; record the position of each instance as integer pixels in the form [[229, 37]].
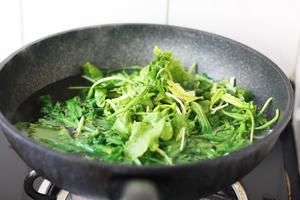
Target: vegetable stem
[[265, 106], [182, 134], [236, 115], [137, 162], [78, 87], [111, 78], [183, 109], [80, 125], [252, 125], [133, 102], [88, 78], [163, 154], [219, 107], [205, 125], [269, 123], [193, 68], [133, 67], [235, 101]]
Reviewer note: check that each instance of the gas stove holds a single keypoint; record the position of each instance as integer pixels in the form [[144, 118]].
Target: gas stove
[[275, 178], [235, 191]]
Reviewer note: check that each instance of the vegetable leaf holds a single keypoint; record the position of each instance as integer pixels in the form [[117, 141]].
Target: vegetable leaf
[[92, 72]]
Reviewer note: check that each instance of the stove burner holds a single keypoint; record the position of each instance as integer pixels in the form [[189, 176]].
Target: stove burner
[[233, 192], [51, 192]]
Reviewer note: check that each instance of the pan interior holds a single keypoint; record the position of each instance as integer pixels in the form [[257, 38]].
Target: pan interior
[[59, 57]]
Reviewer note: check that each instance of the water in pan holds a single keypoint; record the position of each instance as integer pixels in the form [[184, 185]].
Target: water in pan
[[29, 109]]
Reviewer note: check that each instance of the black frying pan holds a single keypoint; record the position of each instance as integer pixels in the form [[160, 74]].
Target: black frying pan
[[59, 56]]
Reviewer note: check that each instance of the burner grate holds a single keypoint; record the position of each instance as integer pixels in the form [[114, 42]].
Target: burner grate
[[233, 192], [50, 191]]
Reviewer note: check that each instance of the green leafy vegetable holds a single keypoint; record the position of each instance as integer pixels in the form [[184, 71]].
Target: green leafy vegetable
[[91, 72], [203, 121], [156, 114]]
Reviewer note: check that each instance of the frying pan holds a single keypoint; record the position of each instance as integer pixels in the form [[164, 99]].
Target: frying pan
[[59, 56]]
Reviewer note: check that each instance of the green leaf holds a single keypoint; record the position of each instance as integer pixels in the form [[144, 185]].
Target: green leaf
[[270, 122], [73, 109], [178, 122], [167, 131], [215, 138], [205, 125], [235, 101], [174, 67], [217, 95], [244, 94], [46, 103], [91, 71], [100, 96], [123, 123], [156, 117], [142, 136], [237, 116], [179, 92], [205, 104]]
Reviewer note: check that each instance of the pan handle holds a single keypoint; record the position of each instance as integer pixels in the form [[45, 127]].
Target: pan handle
[[139, 190], [30, 191]]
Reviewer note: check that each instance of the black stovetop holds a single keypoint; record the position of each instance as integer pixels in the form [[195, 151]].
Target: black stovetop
[[276, 177]]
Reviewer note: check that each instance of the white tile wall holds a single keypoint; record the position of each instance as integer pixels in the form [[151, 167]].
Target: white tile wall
[[10, 27], [270, 26], [42, 18]]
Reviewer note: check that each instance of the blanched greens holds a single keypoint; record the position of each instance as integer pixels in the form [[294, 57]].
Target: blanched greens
[[156, 114]]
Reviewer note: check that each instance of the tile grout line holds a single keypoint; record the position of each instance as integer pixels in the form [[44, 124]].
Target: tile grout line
[[296, 113], [167, 11], [295, 76]]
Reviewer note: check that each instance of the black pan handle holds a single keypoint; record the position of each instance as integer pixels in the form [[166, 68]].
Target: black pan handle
[[139, 190], [30, 191]]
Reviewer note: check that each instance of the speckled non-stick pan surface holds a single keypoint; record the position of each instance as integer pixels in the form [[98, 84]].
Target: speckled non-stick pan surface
[[59, 56]]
